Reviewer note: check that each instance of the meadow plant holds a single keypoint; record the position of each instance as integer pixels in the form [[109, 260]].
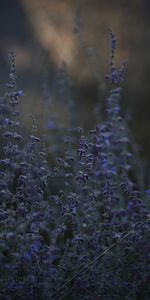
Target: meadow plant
[[79, 229]]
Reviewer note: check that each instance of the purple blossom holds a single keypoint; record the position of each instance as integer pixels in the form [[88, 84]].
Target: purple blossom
[[76, 227]]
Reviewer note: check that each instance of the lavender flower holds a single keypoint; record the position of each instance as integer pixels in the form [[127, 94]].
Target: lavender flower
[[76, 228]]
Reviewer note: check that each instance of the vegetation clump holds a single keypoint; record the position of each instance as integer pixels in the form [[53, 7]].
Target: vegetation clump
[[78, 229]]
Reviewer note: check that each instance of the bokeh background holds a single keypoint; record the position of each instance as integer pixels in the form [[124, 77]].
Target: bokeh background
[[42, 35]]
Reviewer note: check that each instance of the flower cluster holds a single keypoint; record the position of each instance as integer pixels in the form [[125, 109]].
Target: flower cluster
[[79, 228]]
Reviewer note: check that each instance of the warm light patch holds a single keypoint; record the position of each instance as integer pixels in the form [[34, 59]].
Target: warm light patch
[[53, 28]]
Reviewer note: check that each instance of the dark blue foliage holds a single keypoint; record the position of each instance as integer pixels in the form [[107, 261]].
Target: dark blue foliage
[[79, 227]]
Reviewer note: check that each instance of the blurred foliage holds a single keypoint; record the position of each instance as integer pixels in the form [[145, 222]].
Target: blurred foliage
[[41, 32]]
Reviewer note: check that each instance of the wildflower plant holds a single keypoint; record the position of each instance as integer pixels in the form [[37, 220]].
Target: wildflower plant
[[79, 229]]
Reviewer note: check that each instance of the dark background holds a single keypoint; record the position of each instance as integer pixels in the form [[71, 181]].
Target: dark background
[[41, 33]]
